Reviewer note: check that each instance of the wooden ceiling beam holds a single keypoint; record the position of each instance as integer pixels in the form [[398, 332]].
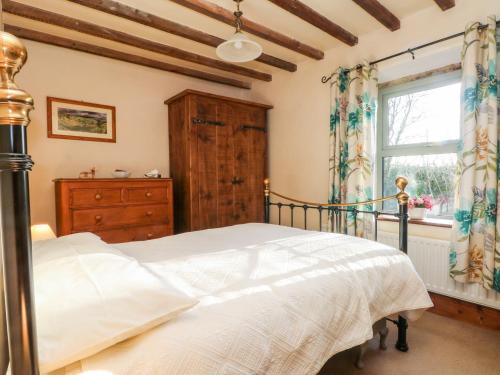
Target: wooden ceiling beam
[[54, 40], [309, 15], [445, 4], [380, 13], [222, 14], [41, 15], [124, 11]]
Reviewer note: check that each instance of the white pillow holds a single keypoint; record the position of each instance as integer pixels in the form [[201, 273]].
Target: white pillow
[[89, 296]]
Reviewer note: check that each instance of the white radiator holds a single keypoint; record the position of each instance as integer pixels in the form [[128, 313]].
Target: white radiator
[[430, 258]]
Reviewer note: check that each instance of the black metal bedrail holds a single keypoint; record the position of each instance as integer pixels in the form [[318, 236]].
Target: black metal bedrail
[[337, 212], [334, 215]]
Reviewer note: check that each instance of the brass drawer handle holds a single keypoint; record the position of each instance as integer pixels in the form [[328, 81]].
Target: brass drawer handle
[[98, 197], [149, 213], [149, 194], [98, 218]]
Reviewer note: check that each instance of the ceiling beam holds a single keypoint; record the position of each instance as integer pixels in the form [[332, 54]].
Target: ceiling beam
[[308, 14], [124, 11], [222, 14], [41, 15], [380, 13], [54, 40], [445, 4]]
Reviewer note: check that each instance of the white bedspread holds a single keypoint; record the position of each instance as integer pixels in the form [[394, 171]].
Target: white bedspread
[[273, 300]]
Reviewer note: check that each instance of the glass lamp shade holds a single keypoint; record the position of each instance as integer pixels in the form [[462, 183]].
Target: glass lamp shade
[[41, 232], [239, 48]]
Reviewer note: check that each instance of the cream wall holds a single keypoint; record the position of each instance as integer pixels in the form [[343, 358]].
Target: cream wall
[[138, 94], [299, 121]]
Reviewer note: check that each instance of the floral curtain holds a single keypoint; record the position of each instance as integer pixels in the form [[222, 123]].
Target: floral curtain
[[475, 249], [352, 122]]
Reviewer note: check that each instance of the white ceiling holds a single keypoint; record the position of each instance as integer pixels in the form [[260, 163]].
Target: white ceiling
[[343, 12]]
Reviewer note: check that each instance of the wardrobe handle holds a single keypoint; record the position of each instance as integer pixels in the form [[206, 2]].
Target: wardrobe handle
[[237, 181], [200, 121], [253, 127], [150, 235], [98, 218], [98, 197], [149, 213], [149, 194]]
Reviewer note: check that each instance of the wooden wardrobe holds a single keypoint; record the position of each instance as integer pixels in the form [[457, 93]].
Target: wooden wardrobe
[[218, 148]]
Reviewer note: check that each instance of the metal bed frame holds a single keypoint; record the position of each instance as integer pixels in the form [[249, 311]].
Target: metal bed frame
[[336, 211]]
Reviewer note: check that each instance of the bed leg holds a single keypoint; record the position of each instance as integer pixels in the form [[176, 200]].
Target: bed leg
[[361, 353], [383, 338], [402, 344]]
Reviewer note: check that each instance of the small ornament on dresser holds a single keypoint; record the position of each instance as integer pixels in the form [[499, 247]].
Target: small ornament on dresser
[[153, 173], [120, 173], [418, 206], [88, 174]]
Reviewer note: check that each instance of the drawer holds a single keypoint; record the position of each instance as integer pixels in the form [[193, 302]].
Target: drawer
[[95, 197], [147, 194], [96, 218], [135, 233]]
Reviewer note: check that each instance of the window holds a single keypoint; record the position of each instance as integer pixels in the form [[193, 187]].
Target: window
[[418, 138]]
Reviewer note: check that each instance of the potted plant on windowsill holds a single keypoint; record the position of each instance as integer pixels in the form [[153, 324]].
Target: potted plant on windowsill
[[418, 206]]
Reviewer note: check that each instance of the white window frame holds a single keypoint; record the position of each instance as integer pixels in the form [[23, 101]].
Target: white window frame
[[425, 148]]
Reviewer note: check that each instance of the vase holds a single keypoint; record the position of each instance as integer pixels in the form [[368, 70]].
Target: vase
[[417, 213]]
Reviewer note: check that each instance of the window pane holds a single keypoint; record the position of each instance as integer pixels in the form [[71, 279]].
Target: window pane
[[427, 174], [425, 116]]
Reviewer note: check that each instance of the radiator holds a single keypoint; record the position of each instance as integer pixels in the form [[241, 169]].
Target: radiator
[[430, 258]]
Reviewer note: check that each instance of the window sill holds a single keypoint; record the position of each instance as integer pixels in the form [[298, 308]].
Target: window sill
[[442, 223]]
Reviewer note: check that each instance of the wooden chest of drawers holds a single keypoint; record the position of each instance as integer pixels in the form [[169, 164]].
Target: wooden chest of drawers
[[117, 210]]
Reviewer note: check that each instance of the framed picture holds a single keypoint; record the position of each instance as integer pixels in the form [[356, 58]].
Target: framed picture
[[71, 119]]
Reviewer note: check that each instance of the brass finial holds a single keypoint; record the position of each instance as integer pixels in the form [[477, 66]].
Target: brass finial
[[15, 103], [402, 196], [267, 190], [401, 183]]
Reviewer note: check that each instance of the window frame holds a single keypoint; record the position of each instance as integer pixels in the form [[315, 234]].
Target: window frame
[[383, 149]]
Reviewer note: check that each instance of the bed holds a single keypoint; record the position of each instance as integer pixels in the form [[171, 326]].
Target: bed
[[273, 300]]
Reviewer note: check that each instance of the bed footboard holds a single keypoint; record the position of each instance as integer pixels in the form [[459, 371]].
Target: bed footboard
[[336, 214]]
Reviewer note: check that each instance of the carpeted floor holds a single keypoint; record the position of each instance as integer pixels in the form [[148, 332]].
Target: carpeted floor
[[438, 346]]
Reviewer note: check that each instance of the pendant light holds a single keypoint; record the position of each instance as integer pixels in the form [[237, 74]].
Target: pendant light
[[238, 48]]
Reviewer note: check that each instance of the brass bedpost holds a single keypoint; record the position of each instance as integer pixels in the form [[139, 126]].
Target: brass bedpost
[[402, 197], [15, 105], [267, 201]]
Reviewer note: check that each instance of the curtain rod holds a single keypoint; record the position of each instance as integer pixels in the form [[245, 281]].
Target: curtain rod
[[411, 51]]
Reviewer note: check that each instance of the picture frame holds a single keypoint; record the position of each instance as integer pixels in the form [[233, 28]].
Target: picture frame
[[79, 120]]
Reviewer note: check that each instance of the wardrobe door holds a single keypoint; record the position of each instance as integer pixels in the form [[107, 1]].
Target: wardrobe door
[[211, 163], [250, 139], [203, 153], [225, 164]]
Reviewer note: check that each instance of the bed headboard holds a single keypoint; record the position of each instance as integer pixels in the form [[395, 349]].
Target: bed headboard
[[336, 213]]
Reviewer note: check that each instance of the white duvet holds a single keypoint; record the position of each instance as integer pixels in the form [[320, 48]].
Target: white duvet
[[273, 300]]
